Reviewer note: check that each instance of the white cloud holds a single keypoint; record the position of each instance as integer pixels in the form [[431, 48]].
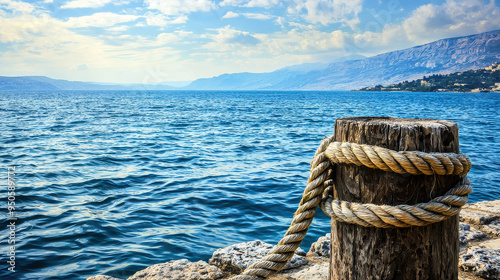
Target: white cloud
[[120, 28], [257, 16], [226, 38], [262, 3], [158, 19], [175, 37], [293, 42], [99, 20], [230, 14], [233, 3], [17, 6], [85, 4], [453, 18], [179, 7], [281, 21], [304, 41], [267, 4], [328, 11], [179, 20]]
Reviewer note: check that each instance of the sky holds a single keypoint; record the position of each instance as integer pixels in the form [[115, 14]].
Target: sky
[[162, 41]]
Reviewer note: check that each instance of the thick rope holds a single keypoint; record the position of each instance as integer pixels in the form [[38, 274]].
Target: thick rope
[[415, 163], [277, 258], [368, 215], [386, 216]]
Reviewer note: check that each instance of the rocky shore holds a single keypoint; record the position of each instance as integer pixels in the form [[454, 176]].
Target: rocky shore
[[479, 254]]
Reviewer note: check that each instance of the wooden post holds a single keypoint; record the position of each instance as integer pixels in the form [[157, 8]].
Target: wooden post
[[429, 252]]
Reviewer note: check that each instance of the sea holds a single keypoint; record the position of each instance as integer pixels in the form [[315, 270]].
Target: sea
[[110, 182]]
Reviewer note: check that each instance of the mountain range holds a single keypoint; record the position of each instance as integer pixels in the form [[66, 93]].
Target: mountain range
[[350, 73], [439, 57], [37, 83]]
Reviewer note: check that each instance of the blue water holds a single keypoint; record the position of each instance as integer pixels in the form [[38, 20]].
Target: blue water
[[113, 182]]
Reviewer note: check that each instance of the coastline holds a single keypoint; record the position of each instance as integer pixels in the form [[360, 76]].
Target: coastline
[[479, 254]]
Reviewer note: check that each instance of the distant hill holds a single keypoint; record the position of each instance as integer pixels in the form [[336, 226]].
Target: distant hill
[[279, 79], [37, 83], [479, 80], [439, 57], [24, 83]]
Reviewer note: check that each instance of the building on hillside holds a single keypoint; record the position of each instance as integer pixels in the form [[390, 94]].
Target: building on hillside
[[493, 67]]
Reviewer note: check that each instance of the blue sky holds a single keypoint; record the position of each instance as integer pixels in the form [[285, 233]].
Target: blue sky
[[155, 41]]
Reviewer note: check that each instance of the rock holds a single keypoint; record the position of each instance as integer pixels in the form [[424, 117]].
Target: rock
[[466, 234], [316, 271], [321, 248], [238, 257], [179, 269], [481, 213], [467, 277], [483, 262], [103, 277], [492, 228], [491, 244]]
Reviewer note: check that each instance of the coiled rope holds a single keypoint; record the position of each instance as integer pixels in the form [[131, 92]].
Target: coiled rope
[[319, 186]]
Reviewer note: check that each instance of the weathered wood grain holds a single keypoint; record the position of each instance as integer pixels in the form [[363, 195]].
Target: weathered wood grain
[[429, 252]]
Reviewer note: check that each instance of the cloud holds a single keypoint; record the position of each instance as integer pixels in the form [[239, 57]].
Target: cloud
[[453, 18], [179, 20], [117, 29], [281, 21], [243, 39], [237, 43], [158, 19], [267, 4], [262, 3], [230, 14], [233, 3], [304, 41], [227, 37], [257, 16], [85, 4], [99, 20], [17, 6], [23, 28], [326, 12], [179, 7], [175, 37]]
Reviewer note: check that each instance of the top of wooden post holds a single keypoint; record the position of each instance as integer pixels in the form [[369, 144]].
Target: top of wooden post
[[400, 121], [401, 134]]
